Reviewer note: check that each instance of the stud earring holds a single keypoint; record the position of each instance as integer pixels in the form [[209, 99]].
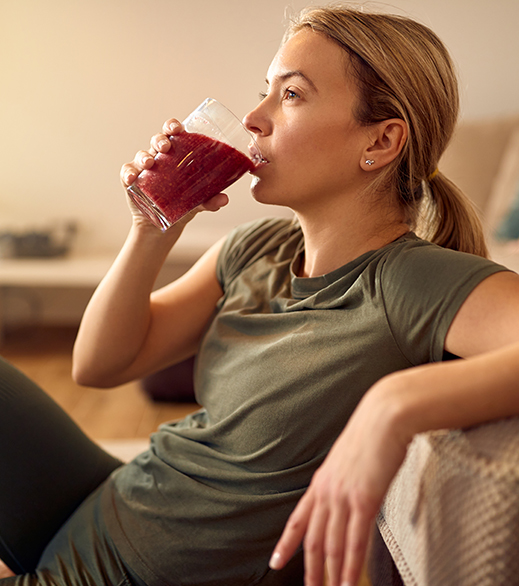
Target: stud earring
[[369, 162]]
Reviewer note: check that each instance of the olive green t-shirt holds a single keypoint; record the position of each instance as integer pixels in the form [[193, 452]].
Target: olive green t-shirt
[[282, 366]]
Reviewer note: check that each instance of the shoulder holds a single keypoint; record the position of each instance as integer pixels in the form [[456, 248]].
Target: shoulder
[[423, 287], [416, 263]]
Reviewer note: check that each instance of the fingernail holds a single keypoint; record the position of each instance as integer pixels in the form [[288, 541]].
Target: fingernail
[[275, 561], [164, 142]]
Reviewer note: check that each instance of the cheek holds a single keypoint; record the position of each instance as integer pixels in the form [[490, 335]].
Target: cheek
[[298, 154], [323, 142], [307, 158], [322, 156]]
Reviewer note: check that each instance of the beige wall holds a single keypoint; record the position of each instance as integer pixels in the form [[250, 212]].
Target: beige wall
[[84, 83]]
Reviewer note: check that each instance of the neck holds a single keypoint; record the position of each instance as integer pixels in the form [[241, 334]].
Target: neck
[[343, 237]]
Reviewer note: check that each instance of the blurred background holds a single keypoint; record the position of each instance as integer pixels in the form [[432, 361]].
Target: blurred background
[[84, 84]]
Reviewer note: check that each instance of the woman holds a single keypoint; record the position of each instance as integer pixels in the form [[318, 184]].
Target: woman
[[297, 326]]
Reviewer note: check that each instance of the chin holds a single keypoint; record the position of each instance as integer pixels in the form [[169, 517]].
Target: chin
[[258, 191], [266, 196]]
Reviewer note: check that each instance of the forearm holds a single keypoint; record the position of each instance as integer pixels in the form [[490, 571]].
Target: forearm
[[454, 394], [117, 319]]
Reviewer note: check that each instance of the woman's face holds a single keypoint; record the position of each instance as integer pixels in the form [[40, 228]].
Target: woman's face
[[305, 127]]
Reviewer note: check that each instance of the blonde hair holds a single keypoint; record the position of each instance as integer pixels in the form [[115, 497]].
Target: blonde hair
[[404, 71]]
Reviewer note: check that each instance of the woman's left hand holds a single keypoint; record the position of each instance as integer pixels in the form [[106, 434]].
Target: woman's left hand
[[336, 514]]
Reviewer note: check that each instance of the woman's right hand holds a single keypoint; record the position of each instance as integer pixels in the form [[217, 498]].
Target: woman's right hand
[[143, 160]]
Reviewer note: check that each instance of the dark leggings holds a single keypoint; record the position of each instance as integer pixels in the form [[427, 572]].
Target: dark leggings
[[48, 466]]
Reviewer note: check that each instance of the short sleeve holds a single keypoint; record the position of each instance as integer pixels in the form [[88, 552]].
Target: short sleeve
[[423, 287]]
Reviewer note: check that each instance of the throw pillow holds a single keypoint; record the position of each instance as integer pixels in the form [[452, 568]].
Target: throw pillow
[[503, 207], [508, 229]]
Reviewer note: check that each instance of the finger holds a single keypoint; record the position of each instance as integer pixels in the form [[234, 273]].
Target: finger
[[160, 143], [293, 533], [128, 174], [172, 127], [143, 160], [357, 544], [215, 203], [129, 171], [336, 542], [314, 546]]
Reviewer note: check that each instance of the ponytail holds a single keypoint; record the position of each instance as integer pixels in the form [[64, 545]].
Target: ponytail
[[448, 218]]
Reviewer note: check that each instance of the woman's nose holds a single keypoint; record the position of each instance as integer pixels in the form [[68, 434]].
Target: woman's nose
[[255, 121]]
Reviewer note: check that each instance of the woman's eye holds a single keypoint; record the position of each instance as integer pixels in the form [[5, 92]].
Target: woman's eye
[[291, 94], [287, 95]]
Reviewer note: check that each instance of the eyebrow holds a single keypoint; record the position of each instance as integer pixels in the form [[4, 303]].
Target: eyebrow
[[295, 73]]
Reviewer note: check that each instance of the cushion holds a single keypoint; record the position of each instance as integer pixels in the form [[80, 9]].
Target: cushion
[[174, 383], [508, 229], [503, 206]]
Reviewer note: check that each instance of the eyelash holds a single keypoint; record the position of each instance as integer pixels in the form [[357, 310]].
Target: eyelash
[[263, 95]]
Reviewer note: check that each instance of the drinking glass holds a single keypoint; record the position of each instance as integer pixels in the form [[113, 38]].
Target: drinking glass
[[214, 151]]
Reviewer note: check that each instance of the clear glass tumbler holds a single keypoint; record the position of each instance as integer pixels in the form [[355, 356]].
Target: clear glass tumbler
[[214, 151]]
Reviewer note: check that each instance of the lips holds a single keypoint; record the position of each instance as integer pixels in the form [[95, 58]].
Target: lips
[[256, 156]]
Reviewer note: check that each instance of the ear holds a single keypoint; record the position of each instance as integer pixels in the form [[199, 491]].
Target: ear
[[387, 139]]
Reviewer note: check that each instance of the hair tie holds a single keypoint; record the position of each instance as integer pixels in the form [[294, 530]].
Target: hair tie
[[433, 174]]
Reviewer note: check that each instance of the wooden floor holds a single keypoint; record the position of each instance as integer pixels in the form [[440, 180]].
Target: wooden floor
[[44, 354]]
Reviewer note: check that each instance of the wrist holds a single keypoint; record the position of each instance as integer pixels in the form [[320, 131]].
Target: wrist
[[396, 400], [145, 233]]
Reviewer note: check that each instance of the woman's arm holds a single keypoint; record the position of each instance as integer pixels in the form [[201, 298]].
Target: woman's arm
[[336, 514], [127, 331]]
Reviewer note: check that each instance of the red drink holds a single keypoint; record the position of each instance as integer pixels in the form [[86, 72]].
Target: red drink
[[195, 169]]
